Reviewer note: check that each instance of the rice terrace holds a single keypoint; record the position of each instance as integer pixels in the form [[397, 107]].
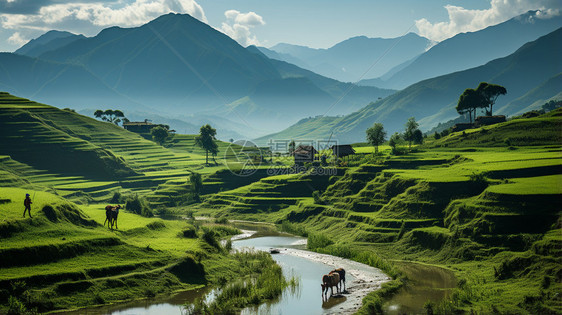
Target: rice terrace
[[157, 158]]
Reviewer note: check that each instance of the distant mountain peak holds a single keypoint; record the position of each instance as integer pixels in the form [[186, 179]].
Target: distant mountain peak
[[48, 41]]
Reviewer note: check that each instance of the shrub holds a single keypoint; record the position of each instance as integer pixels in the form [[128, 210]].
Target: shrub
[[428, 307], [316, 241], [189, 232], [228, 245], [138, 206], [221, 220], [210, 237], [117, 197], [16, 306]]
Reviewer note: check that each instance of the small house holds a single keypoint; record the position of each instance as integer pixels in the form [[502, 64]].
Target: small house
[[342, 150], [139, 126], [304, 153]]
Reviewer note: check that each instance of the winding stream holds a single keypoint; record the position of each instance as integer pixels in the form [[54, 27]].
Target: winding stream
[[306, 299]]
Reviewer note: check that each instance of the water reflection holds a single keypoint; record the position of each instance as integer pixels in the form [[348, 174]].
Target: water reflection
[[308, 296], [425, 283]]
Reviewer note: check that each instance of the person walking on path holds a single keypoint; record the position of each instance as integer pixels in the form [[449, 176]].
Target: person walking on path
[[27, 203]]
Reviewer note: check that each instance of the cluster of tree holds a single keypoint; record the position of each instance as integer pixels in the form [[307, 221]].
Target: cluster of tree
[[112, 116], [552, 105], [376, 135], [443, 133], [484, 96]]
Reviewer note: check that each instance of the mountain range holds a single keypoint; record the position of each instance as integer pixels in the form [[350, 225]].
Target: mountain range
[[354, 58], [530, 72], [176, 65], [472, 49], [182, 72]]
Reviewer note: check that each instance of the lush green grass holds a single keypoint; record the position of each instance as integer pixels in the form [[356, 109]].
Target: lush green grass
[[540, 185], [472, 202], [465, 205]]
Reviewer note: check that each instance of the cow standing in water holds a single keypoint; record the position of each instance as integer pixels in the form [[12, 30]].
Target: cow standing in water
[[111, 214], [329, 281], [341, 272]]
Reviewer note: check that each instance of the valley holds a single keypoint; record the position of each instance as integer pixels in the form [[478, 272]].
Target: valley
[[464, 201], [169, 161]]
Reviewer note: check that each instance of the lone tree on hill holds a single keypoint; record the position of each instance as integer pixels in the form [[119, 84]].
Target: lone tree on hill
[[206, 141], [112, 116], [469, 101], [160, 134], [411, 127], [490, 93], [376, 136]]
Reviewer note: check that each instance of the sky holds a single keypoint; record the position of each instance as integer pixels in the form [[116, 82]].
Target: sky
[[312, 23]]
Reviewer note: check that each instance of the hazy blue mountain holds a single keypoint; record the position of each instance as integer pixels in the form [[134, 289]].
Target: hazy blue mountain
[[472, 49], [301, 93], [433, 100], [535, 98], [49, 41], [381, 81], [62, 84], [174, 61], [271, 54], [175, 66], [350, 60]]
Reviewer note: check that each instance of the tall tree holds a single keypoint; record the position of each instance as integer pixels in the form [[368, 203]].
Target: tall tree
[[376, 136], [206, 140], [469, 101], [490, 93], [411, 127]]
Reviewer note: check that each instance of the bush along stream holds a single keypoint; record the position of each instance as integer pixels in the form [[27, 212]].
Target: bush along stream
[[265, 282]]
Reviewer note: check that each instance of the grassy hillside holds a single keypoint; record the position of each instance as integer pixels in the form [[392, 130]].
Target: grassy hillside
[[484, 203], [72, 166], [88, 160], [64, 258]]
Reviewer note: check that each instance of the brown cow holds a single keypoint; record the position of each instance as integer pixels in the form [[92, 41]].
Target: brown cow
[[111, 214], [341, 272], [329, 281]]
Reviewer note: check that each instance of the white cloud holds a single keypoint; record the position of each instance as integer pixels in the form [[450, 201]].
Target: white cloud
[[91, 17], [17, 39], [238, 26], [465, 20]]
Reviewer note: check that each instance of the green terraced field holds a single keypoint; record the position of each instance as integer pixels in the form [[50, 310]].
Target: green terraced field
[[484, 207]]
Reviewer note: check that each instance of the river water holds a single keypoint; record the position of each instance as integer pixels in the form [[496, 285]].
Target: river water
[[309, 268]]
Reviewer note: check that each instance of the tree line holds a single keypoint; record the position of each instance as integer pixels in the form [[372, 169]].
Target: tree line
[[376, 135]]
